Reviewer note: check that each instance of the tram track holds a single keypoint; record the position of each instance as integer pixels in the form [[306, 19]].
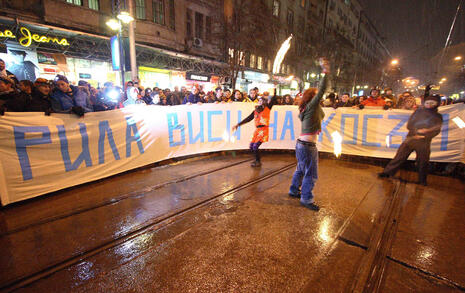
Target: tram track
[[370, 272], [137, 231], [134, 194]]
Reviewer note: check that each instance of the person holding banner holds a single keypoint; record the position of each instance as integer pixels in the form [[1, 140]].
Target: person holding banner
[[311, 115], [424, 124], [261, 114]]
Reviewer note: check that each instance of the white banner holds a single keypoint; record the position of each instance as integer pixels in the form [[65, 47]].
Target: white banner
[[41, 154]]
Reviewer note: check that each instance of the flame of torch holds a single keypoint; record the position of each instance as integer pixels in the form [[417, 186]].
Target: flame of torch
[[227, 137], [337, 141], [280, 55]]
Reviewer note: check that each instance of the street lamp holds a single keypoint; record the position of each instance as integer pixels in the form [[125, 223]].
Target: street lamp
[[125, 17], [394, 62], [458, 58], [115, 24]]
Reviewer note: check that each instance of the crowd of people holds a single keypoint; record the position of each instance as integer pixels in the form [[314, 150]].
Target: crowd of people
[[60, 96]]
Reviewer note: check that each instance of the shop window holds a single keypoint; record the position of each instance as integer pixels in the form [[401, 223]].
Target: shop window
[[260, 62], [276, 5], [140, 9], [189, 23], [172, 16], [252, 60], [198, 25], [158, 12], [75, 2], [93, 4]]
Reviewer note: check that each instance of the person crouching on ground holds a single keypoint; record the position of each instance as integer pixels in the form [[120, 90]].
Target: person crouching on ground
[[261, 114], [311, 115], [424, 124]]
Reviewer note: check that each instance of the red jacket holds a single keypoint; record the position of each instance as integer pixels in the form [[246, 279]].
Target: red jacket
[[378, 102]]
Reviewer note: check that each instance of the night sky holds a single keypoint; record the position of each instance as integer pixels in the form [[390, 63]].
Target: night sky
[[416, 30]]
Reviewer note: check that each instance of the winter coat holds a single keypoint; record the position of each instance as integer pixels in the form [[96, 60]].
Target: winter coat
[[63, 102]]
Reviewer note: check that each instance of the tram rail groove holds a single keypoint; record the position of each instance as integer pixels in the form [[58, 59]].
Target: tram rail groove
[[133, 194], [370, 270], [27, 280]]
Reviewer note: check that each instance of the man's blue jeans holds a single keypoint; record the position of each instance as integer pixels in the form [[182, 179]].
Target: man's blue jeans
[[306, 172]]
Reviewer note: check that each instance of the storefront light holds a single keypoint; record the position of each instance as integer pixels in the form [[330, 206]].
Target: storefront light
[[125, 17], [290, 77], [113, 24]]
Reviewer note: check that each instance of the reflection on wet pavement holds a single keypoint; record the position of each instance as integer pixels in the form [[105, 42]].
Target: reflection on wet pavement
[[254, 237]]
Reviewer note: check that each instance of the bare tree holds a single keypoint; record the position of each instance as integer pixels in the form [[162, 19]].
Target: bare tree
[[248, 27]]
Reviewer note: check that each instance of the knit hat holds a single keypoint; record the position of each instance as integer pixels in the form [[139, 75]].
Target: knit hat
[[62, 78], [41, 81], [83, 83]]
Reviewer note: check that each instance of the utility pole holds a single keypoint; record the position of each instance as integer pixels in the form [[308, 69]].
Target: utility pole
[[132, 42]]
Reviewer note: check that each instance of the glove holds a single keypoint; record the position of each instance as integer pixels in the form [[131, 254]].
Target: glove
[[78, 110], [386, 107], [2, 111], [48, 112], [361, 106], [428, 87]]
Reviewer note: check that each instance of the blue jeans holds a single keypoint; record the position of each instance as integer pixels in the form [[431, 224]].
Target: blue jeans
[[306, 172]]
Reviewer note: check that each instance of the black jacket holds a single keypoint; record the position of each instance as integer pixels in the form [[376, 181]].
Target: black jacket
[[425, 118]]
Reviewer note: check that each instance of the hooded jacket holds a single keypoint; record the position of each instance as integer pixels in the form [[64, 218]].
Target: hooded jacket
[[63, 102]]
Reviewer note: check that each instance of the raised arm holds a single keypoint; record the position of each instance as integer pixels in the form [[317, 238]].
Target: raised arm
[[324, 83]]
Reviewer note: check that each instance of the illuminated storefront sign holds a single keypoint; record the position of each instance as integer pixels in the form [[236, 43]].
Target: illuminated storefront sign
[[26, 37], [197, 77]]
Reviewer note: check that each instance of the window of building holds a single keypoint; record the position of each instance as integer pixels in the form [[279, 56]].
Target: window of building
[[172, 15], [290, 21], [208, 28], [198, 25], [75, 2], [189, 23], [140, 9], [301, 23], [302, 3], [260, 62], [93, 4], [158, 11], [253, 60], [268, 65], [276, 5]]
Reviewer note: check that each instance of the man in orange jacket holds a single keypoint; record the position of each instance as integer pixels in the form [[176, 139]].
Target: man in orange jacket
[[374, 100]]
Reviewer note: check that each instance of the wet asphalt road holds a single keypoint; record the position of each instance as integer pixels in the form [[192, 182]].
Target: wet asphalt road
[[217, 225]]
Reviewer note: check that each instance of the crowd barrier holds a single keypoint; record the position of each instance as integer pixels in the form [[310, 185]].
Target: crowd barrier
[[41, 154]]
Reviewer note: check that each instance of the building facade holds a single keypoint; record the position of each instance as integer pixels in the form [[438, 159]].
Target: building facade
[[165, 48], [181, 42]]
